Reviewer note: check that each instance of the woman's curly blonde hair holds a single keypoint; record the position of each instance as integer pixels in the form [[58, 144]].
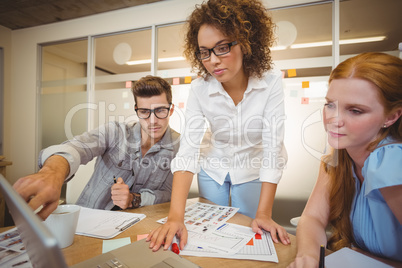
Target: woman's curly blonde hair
[[245, 21]]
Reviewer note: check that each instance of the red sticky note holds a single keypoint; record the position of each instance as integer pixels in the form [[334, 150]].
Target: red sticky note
[[250, 243], [258, 236], [304, 100], [291, 72], [176, 81], [128, 84], [305, 84]]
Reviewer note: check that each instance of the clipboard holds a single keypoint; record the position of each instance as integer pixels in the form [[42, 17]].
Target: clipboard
[[105, 224]]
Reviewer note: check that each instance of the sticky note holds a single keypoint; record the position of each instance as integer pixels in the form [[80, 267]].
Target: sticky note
[[283, 74], [291, 72], [141, 236], [181, 105], [109, 245], [176, 81], [128, 84], [258, 236], [304, 100], [187, 79], [250, 243], [305, 84], [293, 93]]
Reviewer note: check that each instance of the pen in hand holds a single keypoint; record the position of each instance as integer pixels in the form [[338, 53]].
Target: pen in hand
[[114, 179], [322, 257], [175, 246]]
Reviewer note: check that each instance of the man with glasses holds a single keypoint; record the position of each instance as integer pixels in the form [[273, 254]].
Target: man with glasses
[[133, 159]]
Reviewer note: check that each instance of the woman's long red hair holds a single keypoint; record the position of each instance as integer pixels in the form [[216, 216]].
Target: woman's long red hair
[[384, 71]]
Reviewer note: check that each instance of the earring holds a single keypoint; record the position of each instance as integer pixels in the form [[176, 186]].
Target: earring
[[384, 126]]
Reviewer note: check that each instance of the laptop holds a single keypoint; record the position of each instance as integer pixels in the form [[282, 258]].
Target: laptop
[[43, 250]]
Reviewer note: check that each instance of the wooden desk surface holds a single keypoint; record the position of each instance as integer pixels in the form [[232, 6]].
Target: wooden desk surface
[[85, 248]]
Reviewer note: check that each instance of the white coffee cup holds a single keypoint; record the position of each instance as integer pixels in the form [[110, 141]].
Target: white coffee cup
[[62, 223]]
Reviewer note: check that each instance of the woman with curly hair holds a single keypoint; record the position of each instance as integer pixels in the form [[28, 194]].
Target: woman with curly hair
[[240, 159], [359, 187]]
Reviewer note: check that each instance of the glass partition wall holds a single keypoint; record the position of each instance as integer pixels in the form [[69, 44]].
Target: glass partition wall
[[85, 83]]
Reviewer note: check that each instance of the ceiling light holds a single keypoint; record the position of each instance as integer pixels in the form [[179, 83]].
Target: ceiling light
[[138, 62], [341, 42], [279, 48]]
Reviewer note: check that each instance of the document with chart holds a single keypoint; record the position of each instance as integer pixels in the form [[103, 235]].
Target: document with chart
[[209, 235], [259, 247], [205, 218], [227, 238]]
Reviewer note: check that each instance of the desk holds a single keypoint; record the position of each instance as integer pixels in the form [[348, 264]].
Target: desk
[[85, 248]]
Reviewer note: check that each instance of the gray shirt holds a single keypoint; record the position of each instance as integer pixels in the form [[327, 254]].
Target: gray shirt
[[117, 147]]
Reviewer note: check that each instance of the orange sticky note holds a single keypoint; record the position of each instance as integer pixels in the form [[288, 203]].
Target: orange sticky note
[[176, 81], [128, 84], [305, 84], [258, 236], [291, 72], [187, 79], [250, 243], [304, 100], [142, 236]]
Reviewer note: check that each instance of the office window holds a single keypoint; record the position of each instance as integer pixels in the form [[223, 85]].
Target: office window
[[120, 58], [362, 29], [297, 29], [63, 91], [174, 68]]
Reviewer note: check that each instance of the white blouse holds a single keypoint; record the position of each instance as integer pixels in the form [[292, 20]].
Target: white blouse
[[244, 140]]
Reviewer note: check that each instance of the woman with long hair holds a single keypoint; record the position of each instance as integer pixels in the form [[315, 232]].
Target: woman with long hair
[[359, 187]]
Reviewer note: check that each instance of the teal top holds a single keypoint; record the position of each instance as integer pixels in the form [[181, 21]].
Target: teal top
[[375, 227]]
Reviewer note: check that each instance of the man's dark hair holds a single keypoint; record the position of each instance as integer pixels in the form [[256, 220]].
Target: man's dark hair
[[149, 86]]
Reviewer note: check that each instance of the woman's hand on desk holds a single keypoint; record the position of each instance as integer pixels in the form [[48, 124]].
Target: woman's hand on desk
[[165, 233], [268, 224]]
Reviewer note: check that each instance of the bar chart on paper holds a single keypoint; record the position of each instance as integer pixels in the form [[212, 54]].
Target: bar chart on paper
[[259, 247]]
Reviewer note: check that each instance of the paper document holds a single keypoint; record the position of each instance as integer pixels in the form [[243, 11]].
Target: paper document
[[226, 239], [348, 258], [105, 224], [259, 248], [12, 250], [205, 218]]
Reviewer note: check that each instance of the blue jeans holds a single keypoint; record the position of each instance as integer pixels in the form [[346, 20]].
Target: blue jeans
[[244, 196]]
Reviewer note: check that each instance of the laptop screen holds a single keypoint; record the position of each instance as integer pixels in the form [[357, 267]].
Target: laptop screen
[[41, 245]]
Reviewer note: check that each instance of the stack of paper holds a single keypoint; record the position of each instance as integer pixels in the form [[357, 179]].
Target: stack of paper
[[105, 224], [209, 235]]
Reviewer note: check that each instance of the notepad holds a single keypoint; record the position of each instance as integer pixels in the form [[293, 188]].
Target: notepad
[[348, 258], [105, 224]]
